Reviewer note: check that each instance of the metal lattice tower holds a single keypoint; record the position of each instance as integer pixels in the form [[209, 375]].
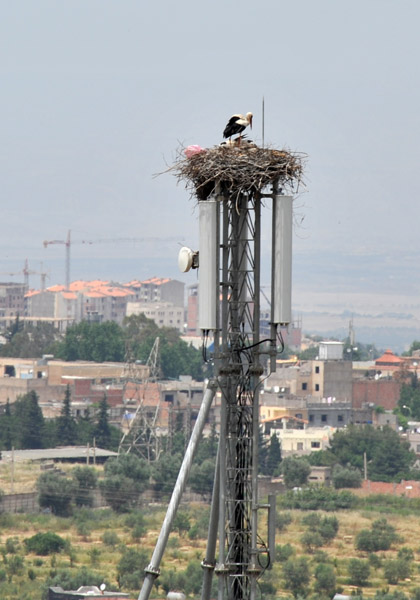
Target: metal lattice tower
[[239, 377], [229, 307], [141, 434]]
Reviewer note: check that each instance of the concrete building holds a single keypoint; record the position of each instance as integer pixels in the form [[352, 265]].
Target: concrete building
[[303, 441], [12, 300], [158, 289], [164, 314]]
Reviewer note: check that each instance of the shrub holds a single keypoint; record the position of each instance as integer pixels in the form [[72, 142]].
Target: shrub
[[375, 561], [45, 543], [12, 545], [181, 523], [110, 538], [295, 471], [130, 568], [380, 537], [284, 552], [311, 540], [395, 570], [283, 519], [406, 554], [319, 498], [358, 571]]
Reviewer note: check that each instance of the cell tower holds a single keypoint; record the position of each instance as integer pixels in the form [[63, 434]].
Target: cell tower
[[245, 179]]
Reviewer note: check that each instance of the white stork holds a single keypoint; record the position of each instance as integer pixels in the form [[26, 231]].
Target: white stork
[[237, 124]]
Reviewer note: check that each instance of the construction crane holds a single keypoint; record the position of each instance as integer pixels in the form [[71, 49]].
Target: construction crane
[[26, 271], [68, 243]]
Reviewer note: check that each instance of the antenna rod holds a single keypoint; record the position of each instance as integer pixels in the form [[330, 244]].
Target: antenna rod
[[263, 123]]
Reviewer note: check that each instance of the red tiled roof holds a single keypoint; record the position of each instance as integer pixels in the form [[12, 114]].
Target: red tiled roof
[[388, 359]]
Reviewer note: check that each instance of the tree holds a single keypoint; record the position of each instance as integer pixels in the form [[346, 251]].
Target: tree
[[346, 477], [202, 476], [125, 478], [29, 421], [165, 472], [66, 426], [295, 471], [55, 492], [395, 570], [99, 342], [296, 575], [273, 459], [359, 571], [130, 569], [389, 457], [86, 481], [102, 429], [45, 543], [325, 580]]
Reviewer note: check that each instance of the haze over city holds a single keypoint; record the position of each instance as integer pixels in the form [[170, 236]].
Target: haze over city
[[98, 97]]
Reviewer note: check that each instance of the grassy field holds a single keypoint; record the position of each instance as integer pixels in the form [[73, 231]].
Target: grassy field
[[99, 541]]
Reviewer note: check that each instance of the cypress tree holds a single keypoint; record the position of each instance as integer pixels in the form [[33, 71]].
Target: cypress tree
[[66, 426], [102, 430]]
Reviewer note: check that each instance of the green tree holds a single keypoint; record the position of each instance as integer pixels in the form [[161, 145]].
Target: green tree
[[44, 543], [273, 456], [99, 342], [102, 429], [389, 457], [55, 492], [346, 477], [86, 481], [359, 571], [29, 421], [66, 425], [125, 478], [296, 575], [202, 476], [165, 472], [130, 568], [325, 580], [396, 570], [295, 471]]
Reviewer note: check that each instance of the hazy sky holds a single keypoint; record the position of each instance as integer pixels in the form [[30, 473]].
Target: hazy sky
[[97, 95]]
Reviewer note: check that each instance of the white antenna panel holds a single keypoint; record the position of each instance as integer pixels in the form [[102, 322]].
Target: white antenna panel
[[207, 272], [281, 305]]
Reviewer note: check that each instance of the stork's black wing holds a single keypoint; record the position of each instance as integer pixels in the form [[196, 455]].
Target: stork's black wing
[[232, 127]]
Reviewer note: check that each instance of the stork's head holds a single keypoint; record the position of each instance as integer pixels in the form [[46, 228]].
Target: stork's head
[[249, 118]]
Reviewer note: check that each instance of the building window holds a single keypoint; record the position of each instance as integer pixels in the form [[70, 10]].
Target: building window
[[418, 448], [317, 387], [316, 369], [324, 418], [315, 444], [298, 415], [340, 418], [304, 386], [300, 445], [311, 418]]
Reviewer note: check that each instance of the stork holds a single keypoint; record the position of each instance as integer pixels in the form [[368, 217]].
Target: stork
[[237, 124]]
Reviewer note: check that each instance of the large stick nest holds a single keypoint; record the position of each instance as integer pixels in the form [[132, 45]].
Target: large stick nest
[[244, 168]]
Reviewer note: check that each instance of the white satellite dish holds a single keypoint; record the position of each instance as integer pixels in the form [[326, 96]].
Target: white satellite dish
[[186, 258], [102, 587]]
